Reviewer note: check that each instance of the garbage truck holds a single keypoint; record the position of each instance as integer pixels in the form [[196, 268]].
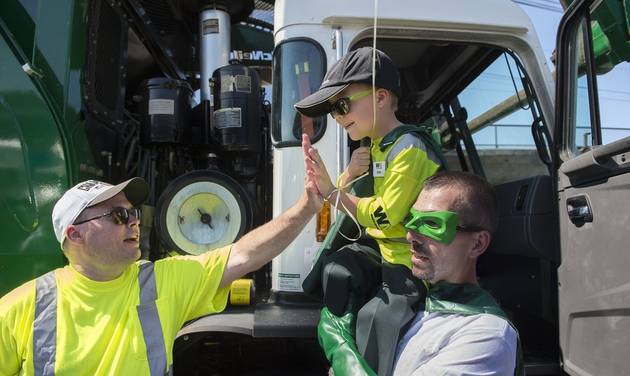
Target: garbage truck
[[177, 92]]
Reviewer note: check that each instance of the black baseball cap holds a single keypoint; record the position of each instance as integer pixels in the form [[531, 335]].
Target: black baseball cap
[[354, 67]]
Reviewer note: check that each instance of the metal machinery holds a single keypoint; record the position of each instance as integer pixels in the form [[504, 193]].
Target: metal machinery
[[164, 101]]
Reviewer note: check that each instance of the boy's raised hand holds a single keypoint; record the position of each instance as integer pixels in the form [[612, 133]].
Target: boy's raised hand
[[315, 168], [359, 162]]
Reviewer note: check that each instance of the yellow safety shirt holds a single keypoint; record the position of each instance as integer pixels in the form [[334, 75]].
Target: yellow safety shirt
[[398, 172], [98, 329]]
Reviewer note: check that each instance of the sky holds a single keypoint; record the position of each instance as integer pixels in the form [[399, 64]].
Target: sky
[[495, 84], [545, 22], [614, 94]]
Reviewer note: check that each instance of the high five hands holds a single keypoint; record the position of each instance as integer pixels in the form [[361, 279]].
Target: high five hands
[[316, 172], [311, 187]]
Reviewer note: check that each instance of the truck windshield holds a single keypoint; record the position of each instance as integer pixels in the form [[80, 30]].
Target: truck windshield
[[298, 70]]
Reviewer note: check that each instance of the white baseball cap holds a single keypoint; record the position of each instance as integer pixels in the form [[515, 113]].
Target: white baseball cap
[[90, 193]]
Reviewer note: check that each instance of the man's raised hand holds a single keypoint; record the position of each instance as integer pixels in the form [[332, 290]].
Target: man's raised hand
[[315, 168]]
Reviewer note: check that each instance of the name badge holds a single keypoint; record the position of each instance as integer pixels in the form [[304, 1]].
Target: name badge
[[378, 168]]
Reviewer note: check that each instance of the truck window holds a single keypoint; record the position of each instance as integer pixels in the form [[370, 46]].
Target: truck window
[[298, 70], [578, 116], [500, 120], [609, 93]]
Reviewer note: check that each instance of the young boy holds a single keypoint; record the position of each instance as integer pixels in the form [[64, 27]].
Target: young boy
[[401, 160]]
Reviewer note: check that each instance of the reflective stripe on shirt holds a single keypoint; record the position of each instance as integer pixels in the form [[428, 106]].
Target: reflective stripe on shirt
[[45, 323], [150, 320], [409, 140]]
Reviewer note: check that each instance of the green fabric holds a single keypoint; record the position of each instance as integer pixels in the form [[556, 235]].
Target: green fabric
[[349, 278], [336, 334], [336, 337], [463, 299], [381, 321], [468, 299]]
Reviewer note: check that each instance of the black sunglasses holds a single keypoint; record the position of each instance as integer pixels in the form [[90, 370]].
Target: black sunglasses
[[342, 105], [120, 215]]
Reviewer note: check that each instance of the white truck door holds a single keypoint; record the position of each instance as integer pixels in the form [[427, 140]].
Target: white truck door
[[592, 137]]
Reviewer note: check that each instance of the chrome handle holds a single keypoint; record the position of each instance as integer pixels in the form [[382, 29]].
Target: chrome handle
[[579, 209], [579, 213]]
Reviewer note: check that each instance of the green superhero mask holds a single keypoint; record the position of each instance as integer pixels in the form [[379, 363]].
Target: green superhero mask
[[441, 226]]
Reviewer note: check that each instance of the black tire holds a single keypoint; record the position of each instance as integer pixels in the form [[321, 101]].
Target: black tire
[[207, 192]]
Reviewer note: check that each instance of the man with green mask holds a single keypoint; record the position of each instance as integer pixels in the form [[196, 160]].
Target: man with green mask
[[458, 329]]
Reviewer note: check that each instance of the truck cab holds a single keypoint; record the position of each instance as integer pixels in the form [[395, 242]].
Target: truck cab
[[473, 78]]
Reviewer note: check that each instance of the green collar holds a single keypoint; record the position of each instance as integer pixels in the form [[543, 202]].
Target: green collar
[[465, 299], [468, 299]]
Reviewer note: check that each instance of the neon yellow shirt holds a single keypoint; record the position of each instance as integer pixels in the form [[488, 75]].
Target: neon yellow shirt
[[98, 330], [395, 191]]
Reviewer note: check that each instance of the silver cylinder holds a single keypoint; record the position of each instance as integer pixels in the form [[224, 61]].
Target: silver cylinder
[[214, 39]]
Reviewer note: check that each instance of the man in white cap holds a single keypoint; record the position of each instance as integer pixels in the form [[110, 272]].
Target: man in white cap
[[107, 313]]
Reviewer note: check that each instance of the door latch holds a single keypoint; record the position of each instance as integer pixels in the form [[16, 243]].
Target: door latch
[[579, 210]]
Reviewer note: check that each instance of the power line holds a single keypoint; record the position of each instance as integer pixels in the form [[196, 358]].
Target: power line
[[551, 2], [539, 6], [543, 6], [555, 5]]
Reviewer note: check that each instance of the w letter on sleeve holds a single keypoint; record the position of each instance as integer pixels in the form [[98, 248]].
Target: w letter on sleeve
[[380, 217]]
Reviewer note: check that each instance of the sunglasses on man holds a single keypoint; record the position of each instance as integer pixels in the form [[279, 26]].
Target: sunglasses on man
[[342, 105], [120, 215], [441, 226]]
